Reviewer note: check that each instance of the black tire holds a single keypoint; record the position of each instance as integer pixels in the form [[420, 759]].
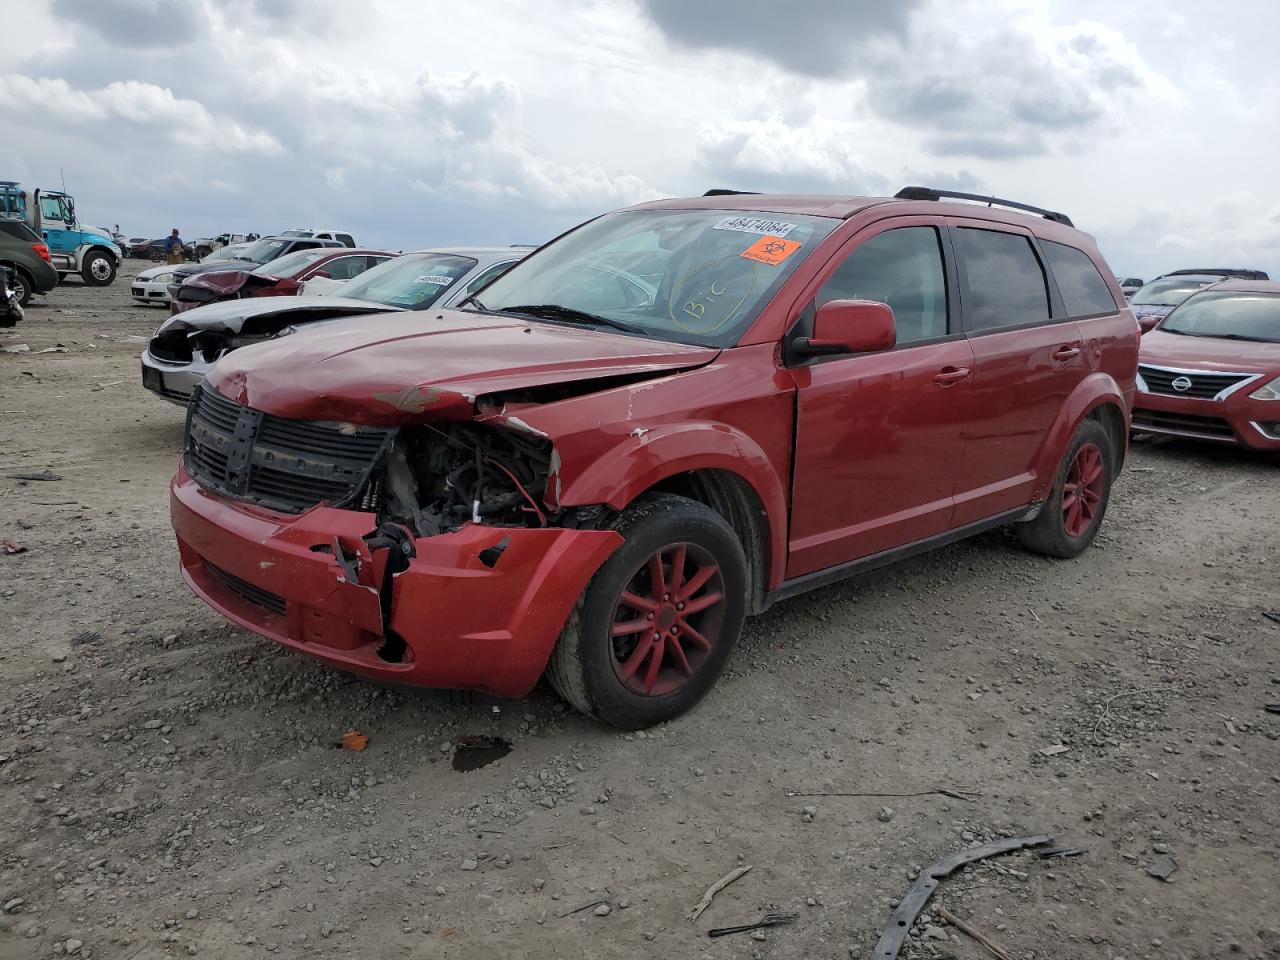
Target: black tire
[[1050, 532], [585, 666], [22, 286], [98, 269], [155, 256], [62, 275]]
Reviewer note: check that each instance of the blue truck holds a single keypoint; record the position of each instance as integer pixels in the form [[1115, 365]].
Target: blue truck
[[73, 247]]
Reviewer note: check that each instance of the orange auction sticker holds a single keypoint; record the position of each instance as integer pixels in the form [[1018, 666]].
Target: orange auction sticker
[[771, 250]]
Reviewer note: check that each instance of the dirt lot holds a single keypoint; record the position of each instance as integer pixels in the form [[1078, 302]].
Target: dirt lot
[[170, 785]]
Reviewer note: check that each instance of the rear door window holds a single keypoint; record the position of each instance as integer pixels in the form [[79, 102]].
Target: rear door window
[[344, 268], [902, 268], [1006, 284], [1084, 292]]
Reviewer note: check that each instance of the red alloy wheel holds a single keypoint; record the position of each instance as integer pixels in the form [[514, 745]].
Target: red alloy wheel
[[1082, 490], [667, 619]]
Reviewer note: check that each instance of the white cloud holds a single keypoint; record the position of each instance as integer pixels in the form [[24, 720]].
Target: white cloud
[[144, 104]]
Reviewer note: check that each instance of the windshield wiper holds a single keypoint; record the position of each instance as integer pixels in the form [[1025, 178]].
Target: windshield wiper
[[1232, 336], [555, 311]]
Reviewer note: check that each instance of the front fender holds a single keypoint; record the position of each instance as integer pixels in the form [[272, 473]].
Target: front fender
[[648, 456], [1092, 392]]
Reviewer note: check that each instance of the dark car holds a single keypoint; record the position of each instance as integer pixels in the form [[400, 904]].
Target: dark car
[[669, 418], [281, 277], [1211, 369], [155, 251], [26, 253], [1158, 298], [257, 253]]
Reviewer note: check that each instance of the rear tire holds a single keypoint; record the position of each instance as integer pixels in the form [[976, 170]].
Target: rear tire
[[98, 269], [22, 286], [653, 630], [1069, 519]]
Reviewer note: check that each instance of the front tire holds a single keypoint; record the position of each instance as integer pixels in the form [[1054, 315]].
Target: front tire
[[1070, 518], [657, 623], [98, 269]]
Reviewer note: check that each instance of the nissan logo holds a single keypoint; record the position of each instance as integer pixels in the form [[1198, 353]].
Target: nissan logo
[[1182, 384]]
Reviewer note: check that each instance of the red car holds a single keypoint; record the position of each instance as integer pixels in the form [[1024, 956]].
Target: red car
[[667, 419], [281, 277], [1211, 369]]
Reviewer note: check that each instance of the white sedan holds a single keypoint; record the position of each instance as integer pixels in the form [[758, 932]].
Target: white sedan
[[152, 286]]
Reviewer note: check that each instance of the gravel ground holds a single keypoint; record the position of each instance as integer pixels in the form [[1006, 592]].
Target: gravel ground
[[171, 785]]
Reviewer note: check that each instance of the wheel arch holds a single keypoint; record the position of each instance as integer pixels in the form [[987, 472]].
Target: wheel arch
[[712, 464], [1097, 397]]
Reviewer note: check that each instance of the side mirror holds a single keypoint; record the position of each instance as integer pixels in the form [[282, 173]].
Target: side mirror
[[1148, 323], [849, 326]]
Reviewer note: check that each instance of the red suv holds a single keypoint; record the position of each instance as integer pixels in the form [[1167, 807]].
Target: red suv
[[671, 417]]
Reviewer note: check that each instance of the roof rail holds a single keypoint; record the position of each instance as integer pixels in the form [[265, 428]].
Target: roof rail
[[722, 192], [929, 193], [1232, 273]]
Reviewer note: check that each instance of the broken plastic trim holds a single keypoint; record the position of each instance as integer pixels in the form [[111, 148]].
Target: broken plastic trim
[[895, 932], [398, 542]]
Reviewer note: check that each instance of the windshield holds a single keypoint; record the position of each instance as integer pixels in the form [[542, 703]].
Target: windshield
[[291, 263], [1232, 316], [414, 281], [694, 276], [261, 251], [1167, 293]]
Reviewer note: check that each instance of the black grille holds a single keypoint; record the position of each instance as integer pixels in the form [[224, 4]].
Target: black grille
[[263, 598], [1212, 427], [1204, 386], [286, 465], [173, 347]]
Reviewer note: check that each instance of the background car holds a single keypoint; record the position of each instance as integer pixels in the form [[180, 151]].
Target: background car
[[26, 252], [282, 277], [1158, 298], [1211, 369], [1130, 285], [151, 286], [257, 253], [154, 250], [185, 346]]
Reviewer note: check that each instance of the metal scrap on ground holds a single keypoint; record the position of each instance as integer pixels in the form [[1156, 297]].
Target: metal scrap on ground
[[895, 932], [768, 920], [994, 949]]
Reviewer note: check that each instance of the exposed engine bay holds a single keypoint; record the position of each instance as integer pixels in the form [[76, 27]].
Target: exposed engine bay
[[438, 477]]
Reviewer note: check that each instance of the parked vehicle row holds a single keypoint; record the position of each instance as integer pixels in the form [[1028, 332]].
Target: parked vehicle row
[[595, 464]]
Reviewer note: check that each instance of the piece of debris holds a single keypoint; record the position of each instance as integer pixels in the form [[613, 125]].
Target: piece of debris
[[768, 920], [1273, 615], [354, 740], [1271, 707], [895, 932], [1162, 868], [42, 475], [1053, 750], [885, 814], [585, 906], [968, 796], [603, 910], [977, 935], [1055, 852], [474, 752], [57, 349], [736, 874], [12, 548], [15, 348]]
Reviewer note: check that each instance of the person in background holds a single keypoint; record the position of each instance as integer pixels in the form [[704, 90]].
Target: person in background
[[173, 247]]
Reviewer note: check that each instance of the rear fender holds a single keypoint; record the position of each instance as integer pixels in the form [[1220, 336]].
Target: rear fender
[[650, 455], [1094, 391]]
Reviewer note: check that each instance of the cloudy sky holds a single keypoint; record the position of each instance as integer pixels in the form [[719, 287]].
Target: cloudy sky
[[1151, 122]]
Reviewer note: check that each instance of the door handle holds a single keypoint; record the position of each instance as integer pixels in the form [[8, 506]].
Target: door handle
[[1066, 352], [949, 375]]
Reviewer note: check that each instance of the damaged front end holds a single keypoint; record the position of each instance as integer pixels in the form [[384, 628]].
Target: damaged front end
[[428, 554]]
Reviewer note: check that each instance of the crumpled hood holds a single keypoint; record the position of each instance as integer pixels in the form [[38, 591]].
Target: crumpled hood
[[428, 365], [229, 316], [1206, 353]]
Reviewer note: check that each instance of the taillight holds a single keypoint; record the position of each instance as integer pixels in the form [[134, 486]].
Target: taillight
[[42, 251]]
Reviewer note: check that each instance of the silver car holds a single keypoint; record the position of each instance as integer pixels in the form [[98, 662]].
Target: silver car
[[185, 346]]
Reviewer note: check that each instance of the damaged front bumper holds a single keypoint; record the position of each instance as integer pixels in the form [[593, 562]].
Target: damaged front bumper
[[480, 608]]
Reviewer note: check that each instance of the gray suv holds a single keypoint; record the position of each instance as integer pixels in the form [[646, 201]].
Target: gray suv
[[25, 251]]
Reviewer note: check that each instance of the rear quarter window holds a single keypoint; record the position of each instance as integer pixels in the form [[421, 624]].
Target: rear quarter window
[[1006, 283], [19, 231], [1084, 292]]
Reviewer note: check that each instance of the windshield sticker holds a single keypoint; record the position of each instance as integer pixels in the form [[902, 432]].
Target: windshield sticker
[[438, 281], [710, 296], [771, 250], [760, 225]]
